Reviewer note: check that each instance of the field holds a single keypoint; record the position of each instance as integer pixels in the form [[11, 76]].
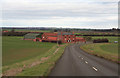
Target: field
[[105, 50], [28, 30], [110, 38], [96, 33], [21, 57], [15, 49]]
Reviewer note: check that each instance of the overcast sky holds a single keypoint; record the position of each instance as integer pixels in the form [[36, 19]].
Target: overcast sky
[[59, 13]]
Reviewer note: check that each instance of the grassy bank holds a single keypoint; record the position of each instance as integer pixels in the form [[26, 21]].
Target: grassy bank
[[104, 50], [45, 67], [28, 58]]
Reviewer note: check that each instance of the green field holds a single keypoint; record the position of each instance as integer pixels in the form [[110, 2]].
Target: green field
[[104, 50], [110, 38], [15, 49], [97, 33], [32, 58]]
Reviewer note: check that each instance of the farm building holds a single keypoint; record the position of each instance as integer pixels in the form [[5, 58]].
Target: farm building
[[78, 39], [33, 36], [49, 37], [66, 37], [63, 37], [5, 31]]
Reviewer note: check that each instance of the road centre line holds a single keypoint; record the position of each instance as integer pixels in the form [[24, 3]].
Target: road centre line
[[95, 68], [86, 62]]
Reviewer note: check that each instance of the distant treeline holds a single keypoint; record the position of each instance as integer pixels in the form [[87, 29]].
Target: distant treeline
[[14, 33], [105, 40], [61, 29], [99, 35]]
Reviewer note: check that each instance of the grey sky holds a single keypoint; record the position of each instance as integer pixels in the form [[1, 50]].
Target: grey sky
[[60, 13]]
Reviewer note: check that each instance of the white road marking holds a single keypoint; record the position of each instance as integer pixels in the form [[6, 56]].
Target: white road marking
[[95, 68], [86, 62]]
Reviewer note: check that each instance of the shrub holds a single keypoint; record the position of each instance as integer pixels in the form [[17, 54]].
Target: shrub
[[88, 38], [14, 33], [59, 42], [105, 40]]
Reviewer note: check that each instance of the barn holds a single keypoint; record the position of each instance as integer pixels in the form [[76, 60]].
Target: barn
[[33, 36], [78, 39], [49, 37], [63, 37]]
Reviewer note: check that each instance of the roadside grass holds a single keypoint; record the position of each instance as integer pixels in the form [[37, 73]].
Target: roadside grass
[[28, 58], [104, 50], [44, 68]]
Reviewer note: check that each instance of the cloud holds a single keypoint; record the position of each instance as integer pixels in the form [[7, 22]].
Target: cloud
[[60, 12]]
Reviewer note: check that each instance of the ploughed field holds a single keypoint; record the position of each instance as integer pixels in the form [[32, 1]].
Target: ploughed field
[[104, 50]]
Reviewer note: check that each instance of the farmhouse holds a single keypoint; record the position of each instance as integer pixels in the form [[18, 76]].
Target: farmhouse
[[63, 37]]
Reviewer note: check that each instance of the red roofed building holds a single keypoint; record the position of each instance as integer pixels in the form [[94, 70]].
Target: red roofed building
[[63, 37], [5, 31], [49, 37], [78, 39]]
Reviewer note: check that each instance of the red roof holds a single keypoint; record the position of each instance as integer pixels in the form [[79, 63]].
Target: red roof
[[52, 38], [5, 31], [78, 38], [50, 34]]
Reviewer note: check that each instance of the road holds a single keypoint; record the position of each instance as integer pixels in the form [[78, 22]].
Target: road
[[75, 62]]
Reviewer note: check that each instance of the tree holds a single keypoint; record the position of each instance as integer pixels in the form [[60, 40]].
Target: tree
[[12, 30]]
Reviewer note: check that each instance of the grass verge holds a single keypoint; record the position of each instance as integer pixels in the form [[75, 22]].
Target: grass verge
[[38, 66], [44, 68], [104, 50]]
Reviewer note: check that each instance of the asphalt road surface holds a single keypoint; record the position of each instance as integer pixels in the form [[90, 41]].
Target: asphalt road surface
[[75, 62]]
